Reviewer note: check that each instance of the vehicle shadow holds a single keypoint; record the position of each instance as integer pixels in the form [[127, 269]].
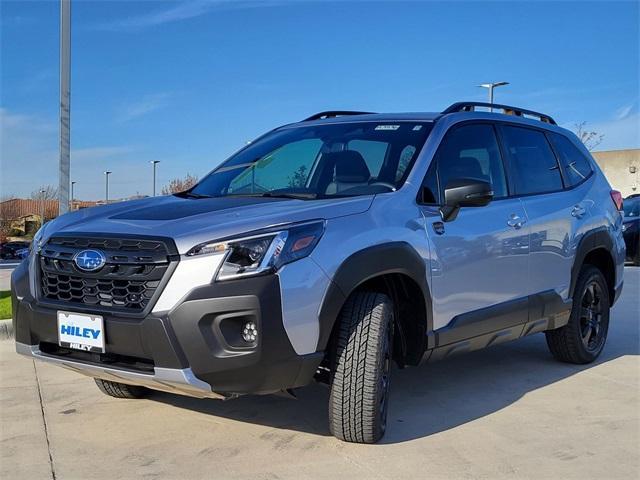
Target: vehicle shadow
[[434, 397]]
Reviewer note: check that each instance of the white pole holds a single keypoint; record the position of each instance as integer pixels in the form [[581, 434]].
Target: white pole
[[65, 105], [106, 187], [154, 163]]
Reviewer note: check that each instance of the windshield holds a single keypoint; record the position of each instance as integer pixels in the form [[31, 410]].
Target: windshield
[[320, 161], [631, 208]]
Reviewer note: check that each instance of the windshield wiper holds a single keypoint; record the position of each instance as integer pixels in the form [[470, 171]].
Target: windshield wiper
[[188, 194], [296, 196]]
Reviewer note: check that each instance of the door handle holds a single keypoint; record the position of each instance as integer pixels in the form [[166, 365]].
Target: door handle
[[578, 211], [515, 221]]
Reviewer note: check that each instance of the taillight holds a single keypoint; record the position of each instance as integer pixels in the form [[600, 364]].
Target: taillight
[[616, 196]]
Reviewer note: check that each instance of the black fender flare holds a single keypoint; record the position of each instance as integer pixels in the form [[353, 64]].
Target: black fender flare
[[593, 240], [363, 265]]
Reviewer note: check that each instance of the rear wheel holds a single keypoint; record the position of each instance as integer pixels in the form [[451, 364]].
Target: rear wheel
[[120, 390], [582, 339], [361, 367]]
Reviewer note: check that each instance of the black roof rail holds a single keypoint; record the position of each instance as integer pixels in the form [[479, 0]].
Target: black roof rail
[[506, 109], [333, 114]]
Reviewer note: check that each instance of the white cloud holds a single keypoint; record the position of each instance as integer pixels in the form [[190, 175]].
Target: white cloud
[[148, 104], [626, 110], [619, 133], [182, 11], [10, 121], [29, 157], [28, 147]]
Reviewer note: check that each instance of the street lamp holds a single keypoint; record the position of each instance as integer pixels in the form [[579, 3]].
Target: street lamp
[[490, 87], [106, 192], [42, 192], [72, 185], [154, 163], [64, 106]]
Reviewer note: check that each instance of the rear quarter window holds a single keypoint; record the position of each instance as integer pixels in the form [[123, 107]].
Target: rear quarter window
[[575, 165], [534, 167]]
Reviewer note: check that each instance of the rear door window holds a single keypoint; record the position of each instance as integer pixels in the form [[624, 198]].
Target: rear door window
[[575, 165], [534, 167]]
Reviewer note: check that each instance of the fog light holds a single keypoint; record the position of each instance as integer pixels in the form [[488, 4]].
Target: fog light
[[249, 332]]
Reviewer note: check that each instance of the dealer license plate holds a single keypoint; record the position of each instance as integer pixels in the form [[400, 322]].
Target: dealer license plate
[[81, 332]]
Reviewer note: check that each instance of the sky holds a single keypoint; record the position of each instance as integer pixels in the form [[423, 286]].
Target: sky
[[188, 83]]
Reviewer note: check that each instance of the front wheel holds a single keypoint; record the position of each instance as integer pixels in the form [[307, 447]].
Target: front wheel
[[361, 367], [582, 339], [120, 390]]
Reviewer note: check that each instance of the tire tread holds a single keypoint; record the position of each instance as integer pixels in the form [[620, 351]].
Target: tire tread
[[120, 390], [353, 403]]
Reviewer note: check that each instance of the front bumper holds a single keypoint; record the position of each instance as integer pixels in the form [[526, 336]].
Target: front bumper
[[194, 349], [172, 380]]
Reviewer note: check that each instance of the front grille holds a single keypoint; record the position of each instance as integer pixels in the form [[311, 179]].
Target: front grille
[[128, 282]]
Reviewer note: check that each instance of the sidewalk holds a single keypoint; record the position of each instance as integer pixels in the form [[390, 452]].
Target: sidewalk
[[507, 412]]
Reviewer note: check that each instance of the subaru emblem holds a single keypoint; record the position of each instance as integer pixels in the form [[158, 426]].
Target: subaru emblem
[[89, 260]]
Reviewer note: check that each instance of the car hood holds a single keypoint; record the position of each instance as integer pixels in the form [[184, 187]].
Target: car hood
[[190, 221]]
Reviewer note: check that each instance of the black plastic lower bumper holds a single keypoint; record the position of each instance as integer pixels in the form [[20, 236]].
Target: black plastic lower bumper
[[203, 333]]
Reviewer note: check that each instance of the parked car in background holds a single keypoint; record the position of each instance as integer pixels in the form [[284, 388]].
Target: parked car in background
[[10, 250], [631, 228], [22, 253]]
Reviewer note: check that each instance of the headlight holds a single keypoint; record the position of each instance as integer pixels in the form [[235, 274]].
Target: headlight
[[264, 252], [624, 227], [36, 243]]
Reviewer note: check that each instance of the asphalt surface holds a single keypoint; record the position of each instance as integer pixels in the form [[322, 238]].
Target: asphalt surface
[[6, 267], [507, 412]]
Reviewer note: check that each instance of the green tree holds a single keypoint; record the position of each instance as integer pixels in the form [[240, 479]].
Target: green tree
[[299, 178]]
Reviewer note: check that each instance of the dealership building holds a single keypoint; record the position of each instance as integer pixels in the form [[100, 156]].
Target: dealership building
[[622, 169]]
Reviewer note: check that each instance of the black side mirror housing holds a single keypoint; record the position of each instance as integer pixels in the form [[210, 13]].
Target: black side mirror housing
[[464, 192]]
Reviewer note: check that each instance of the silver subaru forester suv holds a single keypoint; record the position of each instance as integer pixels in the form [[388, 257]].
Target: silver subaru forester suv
[[326, 250]]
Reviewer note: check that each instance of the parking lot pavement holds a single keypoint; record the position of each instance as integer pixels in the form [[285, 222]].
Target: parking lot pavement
[[6, 267], [510, 411]]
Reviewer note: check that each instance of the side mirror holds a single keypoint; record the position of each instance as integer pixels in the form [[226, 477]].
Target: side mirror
[[464, 192]]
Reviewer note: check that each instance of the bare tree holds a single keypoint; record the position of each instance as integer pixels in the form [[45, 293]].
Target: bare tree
[[180, 184], [47, 198], [590, 138], [45, 192]]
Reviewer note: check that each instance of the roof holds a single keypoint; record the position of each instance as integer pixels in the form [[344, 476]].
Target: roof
[[372, 117], [23, 207], [457, 112]]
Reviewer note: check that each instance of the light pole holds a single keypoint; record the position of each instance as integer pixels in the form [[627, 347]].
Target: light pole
[[65, 106], [106, 186], [42, 192], [154, 163], [71, 206], [490, 87]]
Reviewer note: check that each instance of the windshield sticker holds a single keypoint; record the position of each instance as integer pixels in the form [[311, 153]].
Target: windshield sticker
[[387, 127], [417, 127]]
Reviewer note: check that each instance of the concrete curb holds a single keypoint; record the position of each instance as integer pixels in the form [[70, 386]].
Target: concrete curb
[[6, 329]]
